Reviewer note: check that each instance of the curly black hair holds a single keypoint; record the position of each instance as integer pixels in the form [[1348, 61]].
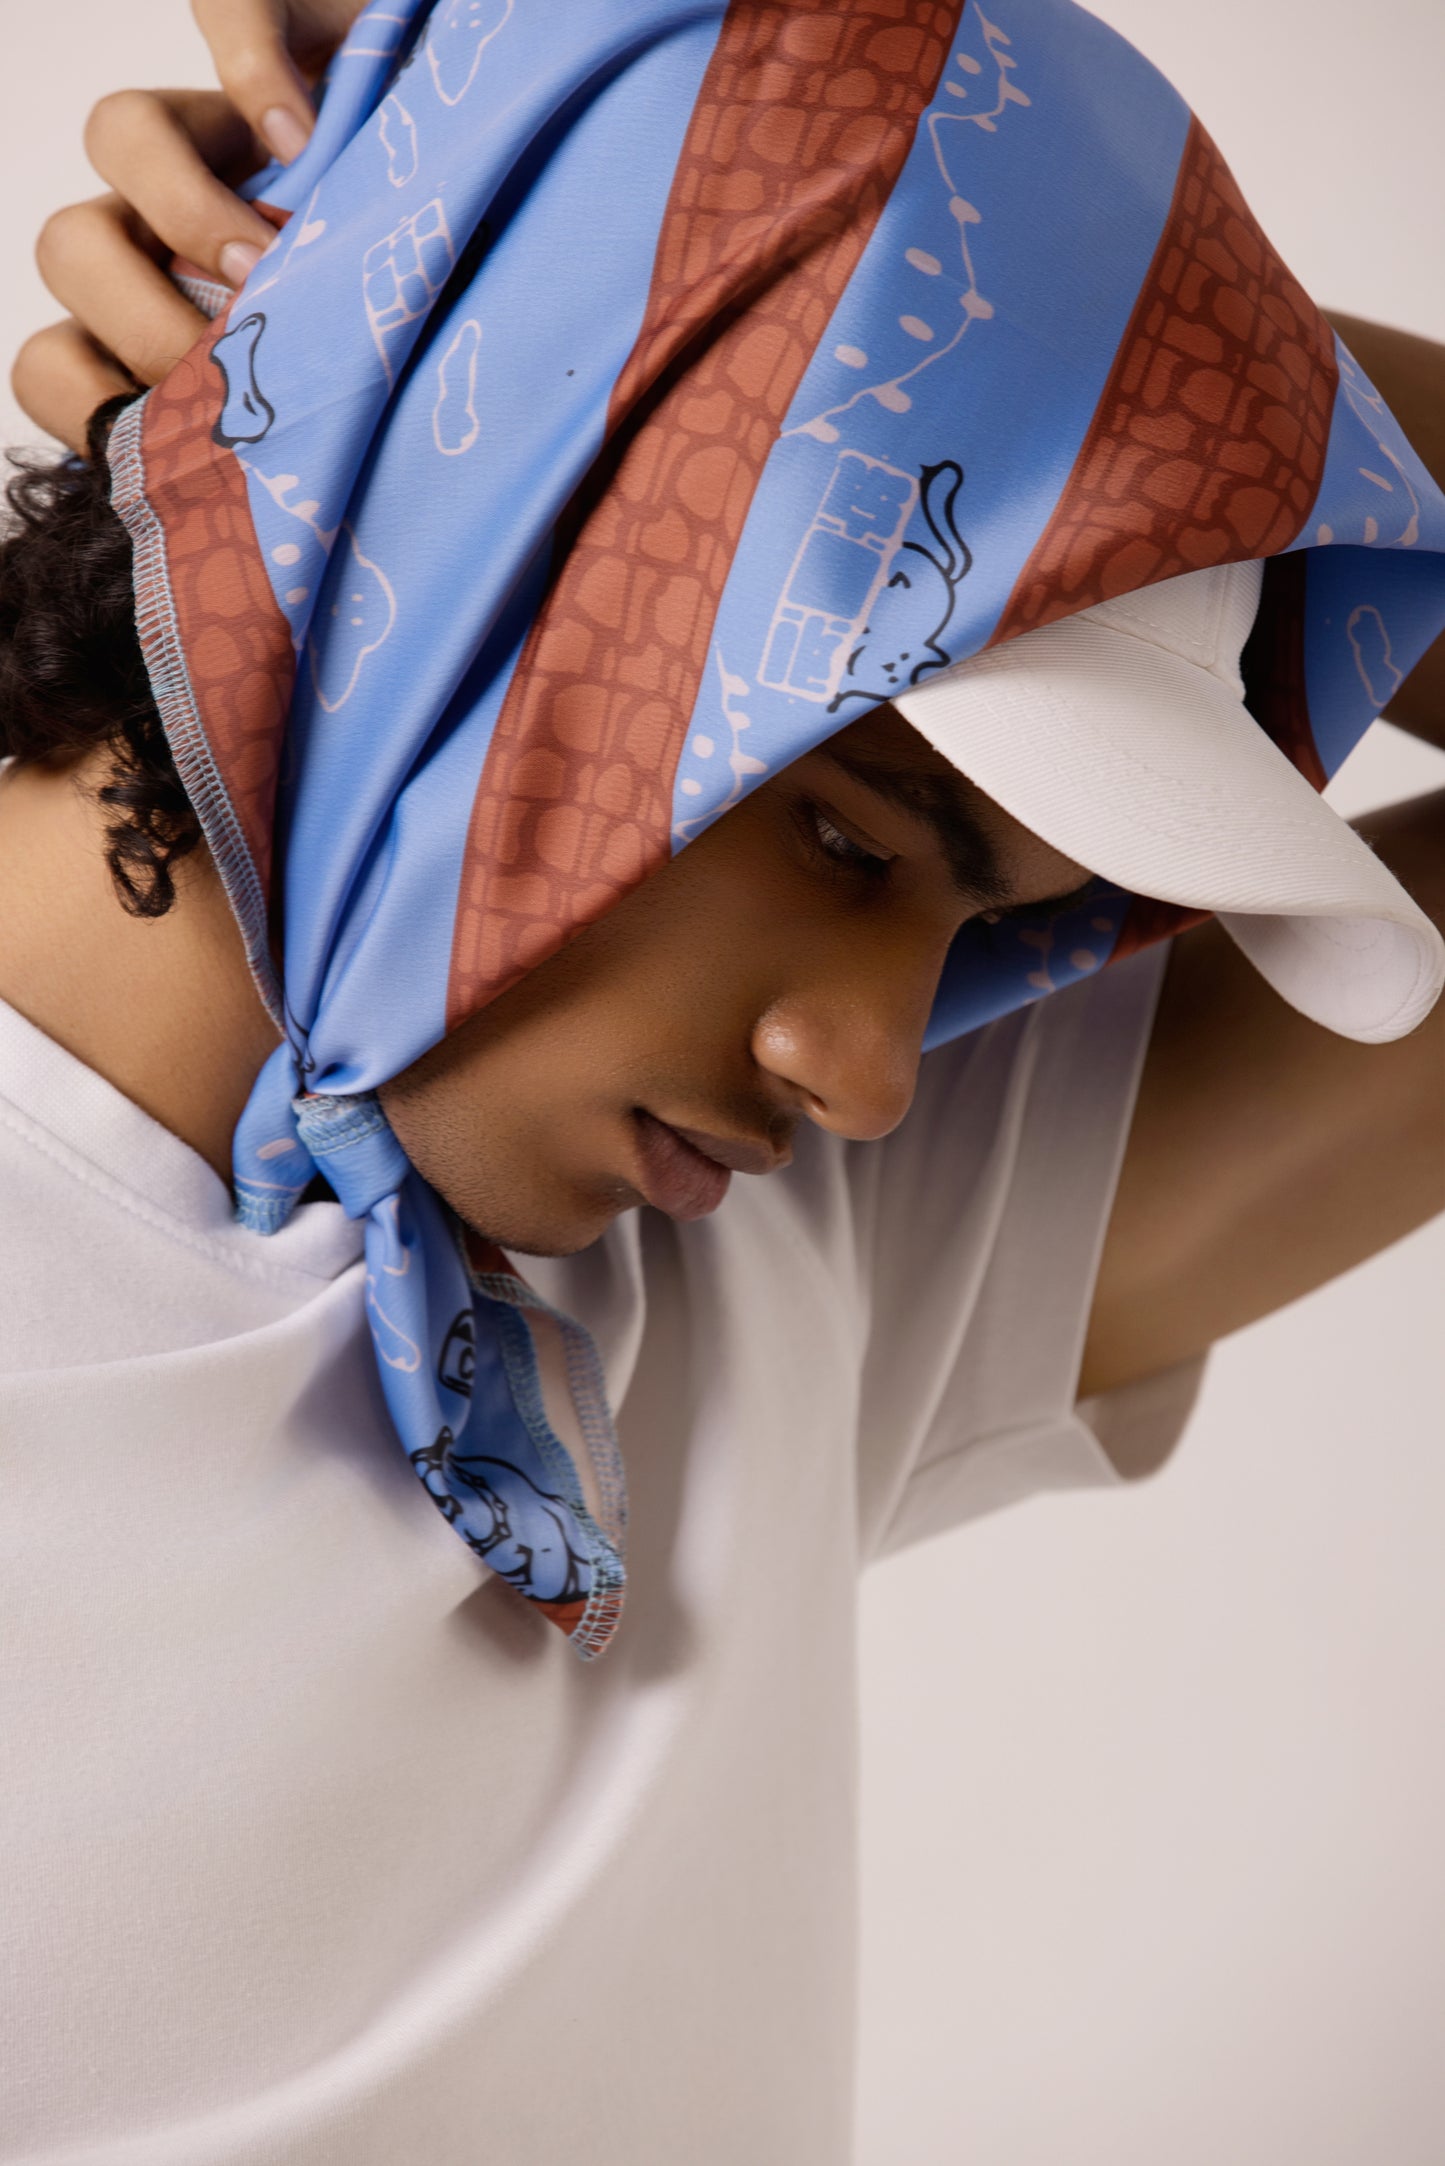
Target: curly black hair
[[72, 679]]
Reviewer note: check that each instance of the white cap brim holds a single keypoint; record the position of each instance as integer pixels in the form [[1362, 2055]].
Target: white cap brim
[[1120, 736]]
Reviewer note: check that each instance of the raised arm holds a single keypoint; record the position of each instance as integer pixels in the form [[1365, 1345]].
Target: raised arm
[[1266, 1155]]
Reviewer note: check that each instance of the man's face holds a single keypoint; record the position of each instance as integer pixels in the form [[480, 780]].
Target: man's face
[[781, 967]]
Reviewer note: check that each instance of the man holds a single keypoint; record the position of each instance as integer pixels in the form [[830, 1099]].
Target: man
[[430, 1876]]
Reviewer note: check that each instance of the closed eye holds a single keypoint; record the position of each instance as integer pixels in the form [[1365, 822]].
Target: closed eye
[[840, 852]]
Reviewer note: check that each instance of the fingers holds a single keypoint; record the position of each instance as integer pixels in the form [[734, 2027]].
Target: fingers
[[248, 44], [159, 150], [103, 260], [60, 377], [90, 260]]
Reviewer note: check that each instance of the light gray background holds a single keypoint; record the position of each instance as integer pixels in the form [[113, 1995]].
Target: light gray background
[[1154, 1783]]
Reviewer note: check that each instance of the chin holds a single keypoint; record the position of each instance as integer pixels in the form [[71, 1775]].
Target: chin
[[544, 1241], [545, 1246], [562, 1231], [515, 1194]]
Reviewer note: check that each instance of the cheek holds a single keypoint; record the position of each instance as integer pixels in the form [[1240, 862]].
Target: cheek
[[659, 995], [522, 1156], [536, 1086], [435, 1124], [780, 933]]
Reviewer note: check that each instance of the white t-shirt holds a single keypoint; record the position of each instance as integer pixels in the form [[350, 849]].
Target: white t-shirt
[[320, 1848]]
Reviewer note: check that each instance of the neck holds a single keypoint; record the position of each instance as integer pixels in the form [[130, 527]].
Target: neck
[[164, 1008]]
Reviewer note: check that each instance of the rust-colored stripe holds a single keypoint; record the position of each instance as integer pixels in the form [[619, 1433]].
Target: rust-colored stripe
[[1208, 442], [236, 642], [805, 115]]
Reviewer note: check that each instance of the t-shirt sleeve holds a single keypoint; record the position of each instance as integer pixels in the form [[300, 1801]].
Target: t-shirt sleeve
[[981, 1221]]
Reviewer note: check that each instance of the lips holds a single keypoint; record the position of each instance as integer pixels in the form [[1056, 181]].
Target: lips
[[685, 1171], [737, 1157], [672, 1174]]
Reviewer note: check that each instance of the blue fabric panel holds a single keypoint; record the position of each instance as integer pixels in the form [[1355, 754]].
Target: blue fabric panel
[[425, 535], [978, 329], [1375, 594]]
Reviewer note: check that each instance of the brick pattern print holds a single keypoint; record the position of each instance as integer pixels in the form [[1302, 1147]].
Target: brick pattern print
[[1208, 444], [236, 642], [805, 115]]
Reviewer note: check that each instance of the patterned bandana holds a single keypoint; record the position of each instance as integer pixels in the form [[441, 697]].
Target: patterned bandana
[[636, 392]]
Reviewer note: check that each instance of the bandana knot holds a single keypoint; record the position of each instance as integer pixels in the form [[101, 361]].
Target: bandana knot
[[351, 1141]]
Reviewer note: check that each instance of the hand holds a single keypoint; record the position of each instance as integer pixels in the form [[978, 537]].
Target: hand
[[172, 159]]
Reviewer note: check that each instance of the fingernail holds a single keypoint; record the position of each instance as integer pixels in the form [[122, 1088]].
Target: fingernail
[[284, 133], [237, 260]]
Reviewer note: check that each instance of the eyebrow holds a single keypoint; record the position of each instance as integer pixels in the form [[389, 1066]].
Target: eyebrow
[[947, 805]]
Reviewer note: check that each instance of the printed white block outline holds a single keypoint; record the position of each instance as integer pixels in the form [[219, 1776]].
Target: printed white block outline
[[883, 547]]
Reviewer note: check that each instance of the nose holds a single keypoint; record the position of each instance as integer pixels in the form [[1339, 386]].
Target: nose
[[849, 1060]]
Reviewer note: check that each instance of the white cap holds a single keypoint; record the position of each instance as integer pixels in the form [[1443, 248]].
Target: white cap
[[1121, 736]]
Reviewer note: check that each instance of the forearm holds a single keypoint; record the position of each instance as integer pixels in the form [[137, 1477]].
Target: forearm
[[1409, 374], [1266, 1154]]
